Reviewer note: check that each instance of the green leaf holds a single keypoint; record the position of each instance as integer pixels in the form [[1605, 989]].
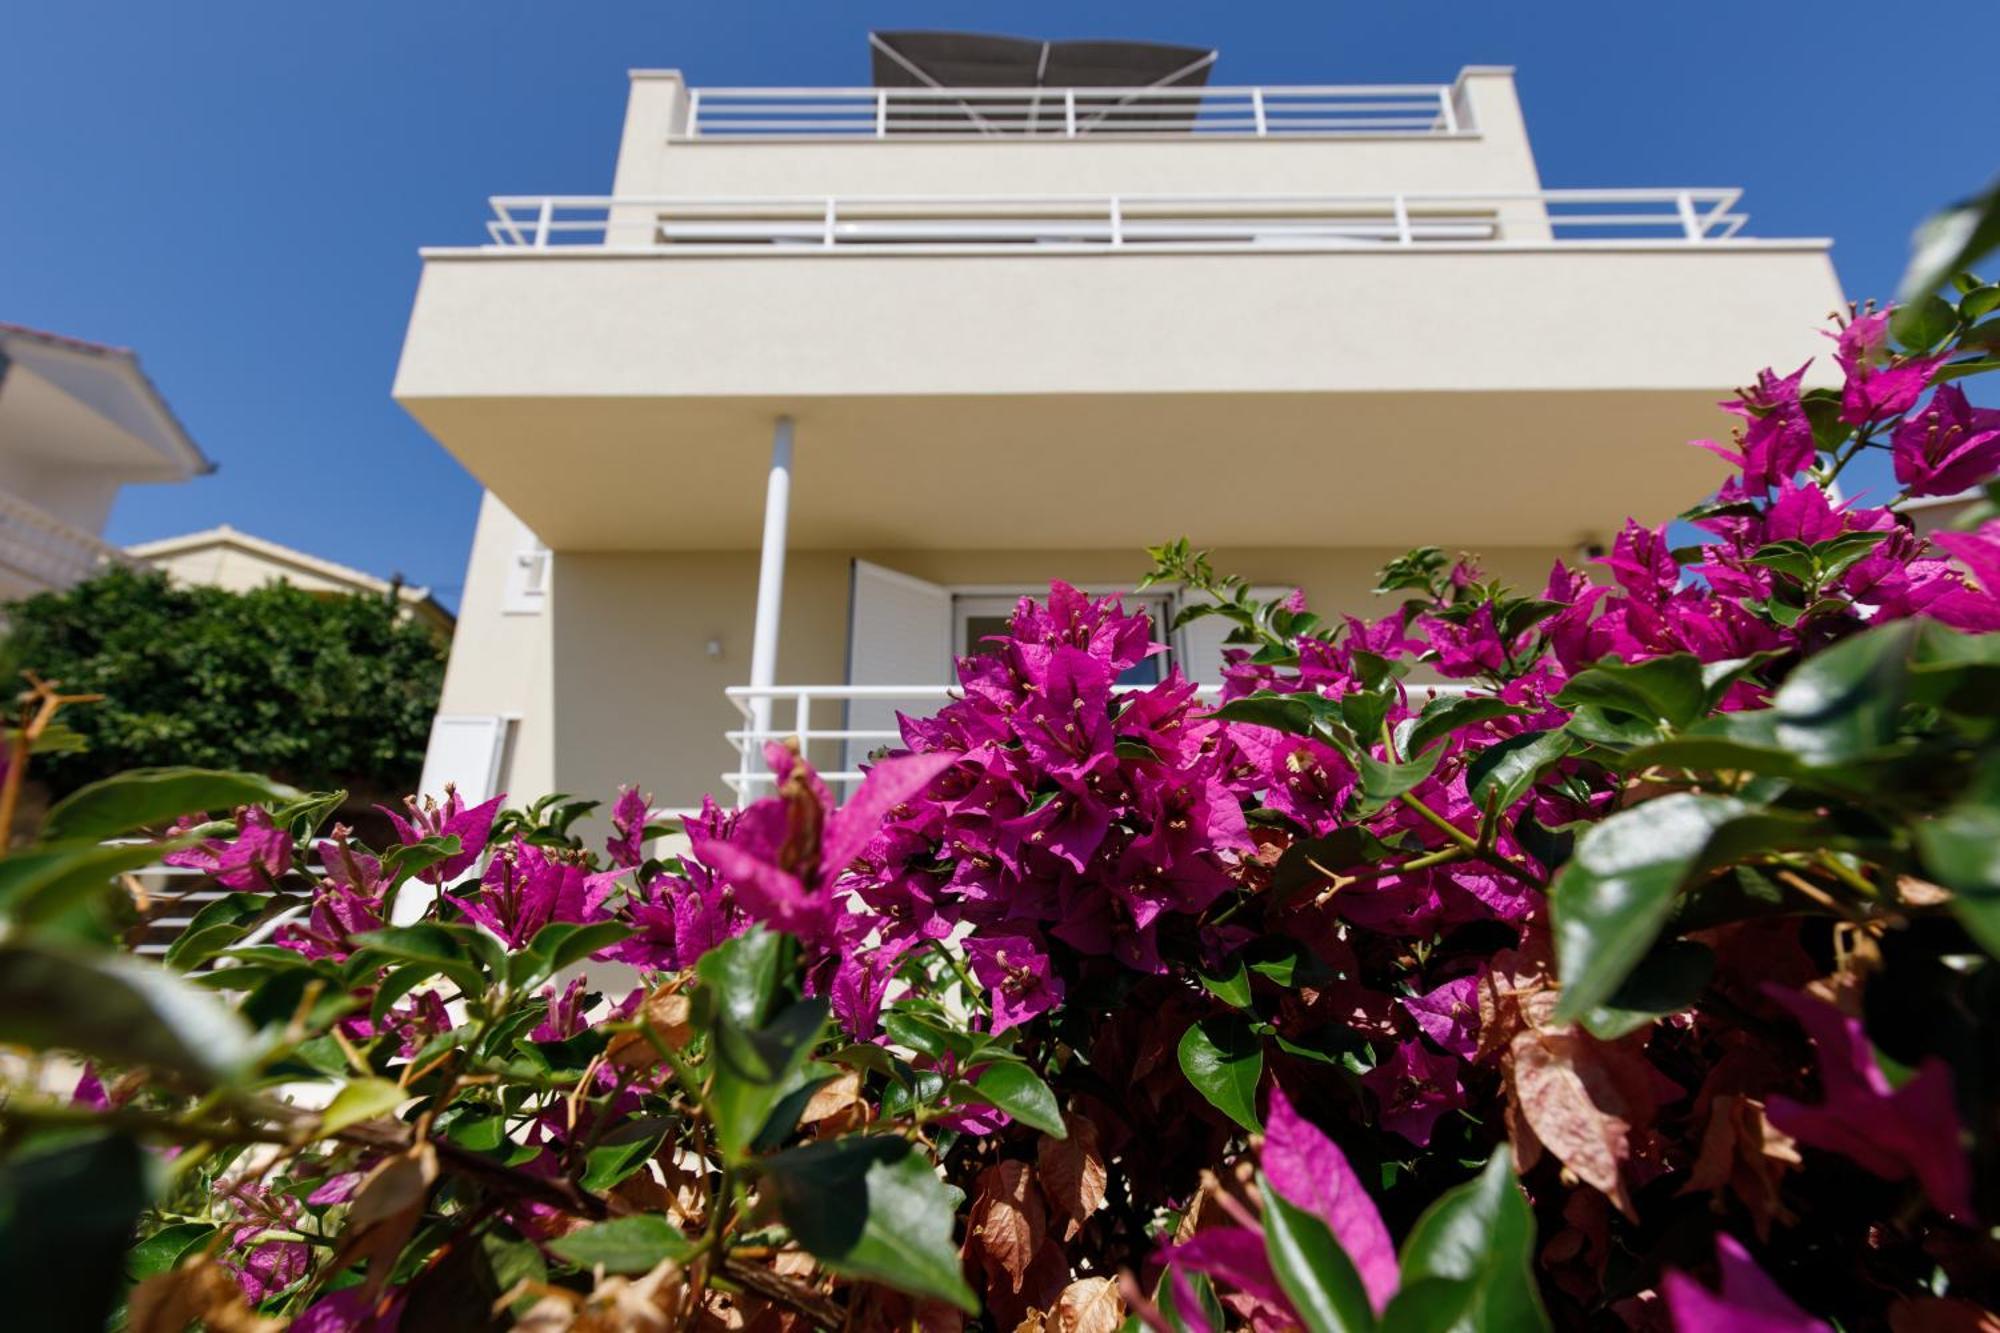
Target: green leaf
[[754, 1071], [623, 1152], [872, 1207], [1225, 1062], [1947, 243], [146, 797], [1667, 981], [362, 1099], [214, 928], [1667, 689], [1317, 1275], [163, 1249], [623, 1245], [1232, 987], [1303, 713], [42, 883], [1842, 703], [1961, 850], [1468, 1262], [66, 1217], [1446, 714], [446, 950], [1611, 900], [1510, 767], [558, 945], [120, 1010], [740, 976], [1019, 1092], [1382, 782]]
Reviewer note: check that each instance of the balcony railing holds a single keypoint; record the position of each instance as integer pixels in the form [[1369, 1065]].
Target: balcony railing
[[1070, 113], [42, 548], [820, 719], [1015, 224]]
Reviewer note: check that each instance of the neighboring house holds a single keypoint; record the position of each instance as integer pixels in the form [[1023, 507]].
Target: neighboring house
[[225, 558], [78, 420], [833, 375]]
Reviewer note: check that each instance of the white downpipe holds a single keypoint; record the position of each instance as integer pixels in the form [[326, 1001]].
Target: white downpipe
[[771, 575]]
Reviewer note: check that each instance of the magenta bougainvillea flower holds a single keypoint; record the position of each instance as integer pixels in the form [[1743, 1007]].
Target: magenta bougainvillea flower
[[1776, 442], [251, 861], [627, 845], [454, 819], [1879, 386], [1015, 971], [1749, 1302], [1902, 1133], [526, 887], [1948, 447]]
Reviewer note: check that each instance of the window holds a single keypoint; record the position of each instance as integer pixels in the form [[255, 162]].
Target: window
[[979, 617]]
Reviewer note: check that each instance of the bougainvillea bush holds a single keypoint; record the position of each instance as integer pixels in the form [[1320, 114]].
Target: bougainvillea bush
[[1635, 972]]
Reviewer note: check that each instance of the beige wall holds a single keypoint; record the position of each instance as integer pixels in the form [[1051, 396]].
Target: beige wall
[[637, 697], [500, 663]]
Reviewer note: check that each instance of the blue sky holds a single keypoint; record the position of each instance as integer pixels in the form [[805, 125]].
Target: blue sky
[[238, 188]]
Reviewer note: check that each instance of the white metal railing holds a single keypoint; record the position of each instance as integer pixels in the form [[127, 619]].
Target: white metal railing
[[43, 548], [821, 721], [1071, 113], [1014, 224]]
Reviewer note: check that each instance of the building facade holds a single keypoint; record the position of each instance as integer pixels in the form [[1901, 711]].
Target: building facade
[[784, 422], [78, 422]]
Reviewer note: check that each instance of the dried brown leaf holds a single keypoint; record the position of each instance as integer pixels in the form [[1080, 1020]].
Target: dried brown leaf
[[1008, 1222], [386, 1209], [1552, 1095], [199, 1290], [836, 1108], [1091, 1305], [1072, 1173], [667, 1012], [1743, 1154]]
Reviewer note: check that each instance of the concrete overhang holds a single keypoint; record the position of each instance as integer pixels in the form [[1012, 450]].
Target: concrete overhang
[[1504, 396]]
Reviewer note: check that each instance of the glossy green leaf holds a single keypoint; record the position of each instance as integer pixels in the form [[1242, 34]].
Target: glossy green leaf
[[1667, 980], [871, 1207], [40, 884], [755, 1070], [163, 1249], [1446, 714], [740, 976], [1468, 1262], [150, 797], [1225, 1062], [623, 1152], [1019, 1092], [1507, 769], [558, 945], [362, 1099], [1950, 242], [1842, 703], [120, 1010], [1961, 850], [623, 1245], [1303, 713], [66, 1217], [1316, 1274], [1231, 985], [444, 949], [1383, 782], [1665, 690]]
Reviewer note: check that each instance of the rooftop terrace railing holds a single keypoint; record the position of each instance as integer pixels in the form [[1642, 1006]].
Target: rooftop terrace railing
[[881, 224], [1070, 113], [43, 548]]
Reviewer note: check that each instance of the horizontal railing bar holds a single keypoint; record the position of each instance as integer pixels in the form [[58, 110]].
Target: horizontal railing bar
[[1056, 94], [1727, 194]]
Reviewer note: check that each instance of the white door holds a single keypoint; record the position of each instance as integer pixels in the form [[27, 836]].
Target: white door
[[465, 750], [898, 633]]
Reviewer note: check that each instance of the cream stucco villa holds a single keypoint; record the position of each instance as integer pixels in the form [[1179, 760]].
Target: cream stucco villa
[[788, 418]]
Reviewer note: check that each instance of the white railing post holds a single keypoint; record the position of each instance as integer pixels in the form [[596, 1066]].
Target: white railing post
[[881, 113], [1069, 113], [1404, 236], [1117, 221], [1690, 221], [1257, 110], [542, 220], [802, 723], [827, 237], [1448, 109], [694, 113], [771, 578]]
